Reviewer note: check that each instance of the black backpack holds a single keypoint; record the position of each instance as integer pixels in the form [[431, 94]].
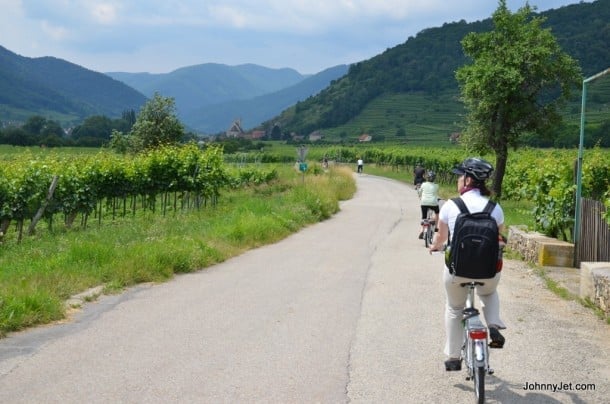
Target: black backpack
[[474, 246]]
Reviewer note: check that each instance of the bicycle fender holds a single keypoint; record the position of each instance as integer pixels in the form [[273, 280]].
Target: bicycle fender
[[479, 350]]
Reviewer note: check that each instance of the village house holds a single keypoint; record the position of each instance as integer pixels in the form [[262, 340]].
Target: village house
[[296, 137], [235, 130], [315, 135], [257, 134]]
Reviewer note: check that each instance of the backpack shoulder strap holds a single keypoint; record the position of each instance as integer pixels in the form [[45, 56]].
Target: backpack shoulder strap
[[460, 204], [489, 207]]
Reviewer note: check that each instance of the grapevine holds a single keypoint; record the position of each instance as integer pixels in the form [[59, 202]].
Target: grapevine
[[162, 180]]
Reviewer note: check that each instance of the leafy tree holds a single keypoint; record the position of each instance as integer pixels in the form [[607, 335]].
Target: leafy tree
[[276, 132], [129, 116], [517, 82], [157, 124], [52, 128], [97, 126], [121, 143], [51, 140], [34, 125], [602, 134], [16, 136]]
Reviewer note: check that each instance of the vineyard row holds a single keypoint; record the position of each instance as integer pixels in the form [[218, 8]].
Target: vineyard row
[[171, 178], [544, 176]]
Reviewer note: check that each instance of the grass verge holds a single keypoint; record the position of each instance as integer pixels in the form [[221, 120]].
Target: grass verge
[[555, 287], [565, 294], [39, 275]]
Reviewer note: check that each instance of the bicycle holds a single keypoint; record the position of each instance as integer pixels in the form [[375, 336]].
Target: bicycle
[[429, 225], [475, 351]]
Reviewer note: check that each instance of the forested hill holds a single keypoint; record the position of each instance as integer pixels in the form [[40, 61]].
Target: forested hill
[[427, 63], [31, 86]]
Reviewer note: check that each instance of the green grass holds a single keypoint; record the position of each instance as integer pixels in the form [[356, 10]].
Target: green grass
[[42, 272], [519, 213]]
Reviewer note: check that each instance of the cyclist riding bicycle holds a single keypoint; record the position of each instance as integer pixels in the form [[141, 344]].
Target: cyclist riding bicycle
[[418, 175], [472, 172], [428, 196]]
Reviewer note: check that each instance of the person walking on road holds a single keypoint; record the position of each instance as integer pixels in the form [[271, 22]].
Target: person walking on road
[[360, 164], [473, 173]]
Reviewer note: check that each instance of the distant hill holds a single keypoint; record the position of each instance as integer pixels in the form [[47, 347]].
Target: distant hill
[[215, 118], [59, 90], [211, 95], [195, 86], [410, 90]]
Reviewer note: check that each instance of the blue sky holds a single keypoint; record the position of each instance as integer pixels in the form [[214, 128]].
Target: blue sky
[[159, 36]]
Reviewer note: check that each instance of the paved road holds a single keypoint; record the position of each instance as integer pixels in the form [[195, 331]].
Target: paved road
[[348, 310]]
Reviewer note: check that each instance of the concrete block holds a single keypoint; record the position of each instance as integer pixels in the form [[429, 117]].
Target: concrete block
[[587, 286], [601, 278], [540, 249], [595, 283], [554, 253]]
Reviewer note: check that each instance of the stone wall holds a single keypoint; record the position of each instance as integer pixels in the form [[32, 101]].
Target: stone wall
[[539, 249]]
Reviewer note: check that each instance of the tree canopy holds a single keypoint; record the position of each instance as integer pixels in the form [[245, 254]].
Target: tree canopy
[[517, 82], [156, 125]]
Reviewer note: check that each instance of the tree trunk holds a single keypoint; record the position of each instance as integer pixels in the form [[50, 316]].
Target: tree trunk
[[4, 224], [69, 221], [501, 159]]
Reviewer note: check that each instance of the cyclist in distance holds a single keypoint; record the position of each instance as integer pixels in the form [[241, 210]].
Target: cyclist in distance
[[428, 196], [418, 175], [472, 172]]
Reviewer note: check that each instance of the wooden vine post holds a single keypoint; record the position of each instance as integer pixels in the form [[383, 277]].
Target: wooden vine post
[[44, 205]]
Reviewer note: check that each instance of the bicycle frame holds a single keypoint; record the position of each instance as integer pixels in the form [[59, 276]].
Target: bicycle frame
[[475, 351], [429, 224]]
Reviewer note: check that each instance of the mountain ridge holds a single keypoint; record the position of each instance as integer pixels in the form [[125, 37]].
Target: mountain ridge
[[426, 64], [251, 112], [30, 86], [210, 96], [423, 64], [68, 93]]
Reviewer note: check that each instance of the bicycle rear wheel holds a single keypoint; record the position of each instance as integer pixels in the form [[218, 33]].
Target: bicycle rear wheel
[[429, 230], [479, 383], [429, 235]]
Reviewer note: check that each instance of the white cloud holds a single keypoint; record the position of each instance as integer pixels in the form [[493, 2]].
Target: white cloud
[[55, 32], [161, 35], [104, 13], [226, 15]]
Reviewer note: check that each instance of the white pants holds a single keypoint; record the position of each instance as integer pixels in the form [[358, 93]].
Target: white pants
[[456, 300]]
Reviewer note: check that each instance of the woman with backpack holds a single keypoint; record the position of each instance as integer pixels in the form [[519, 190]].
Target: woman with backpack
[[472, 172]]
